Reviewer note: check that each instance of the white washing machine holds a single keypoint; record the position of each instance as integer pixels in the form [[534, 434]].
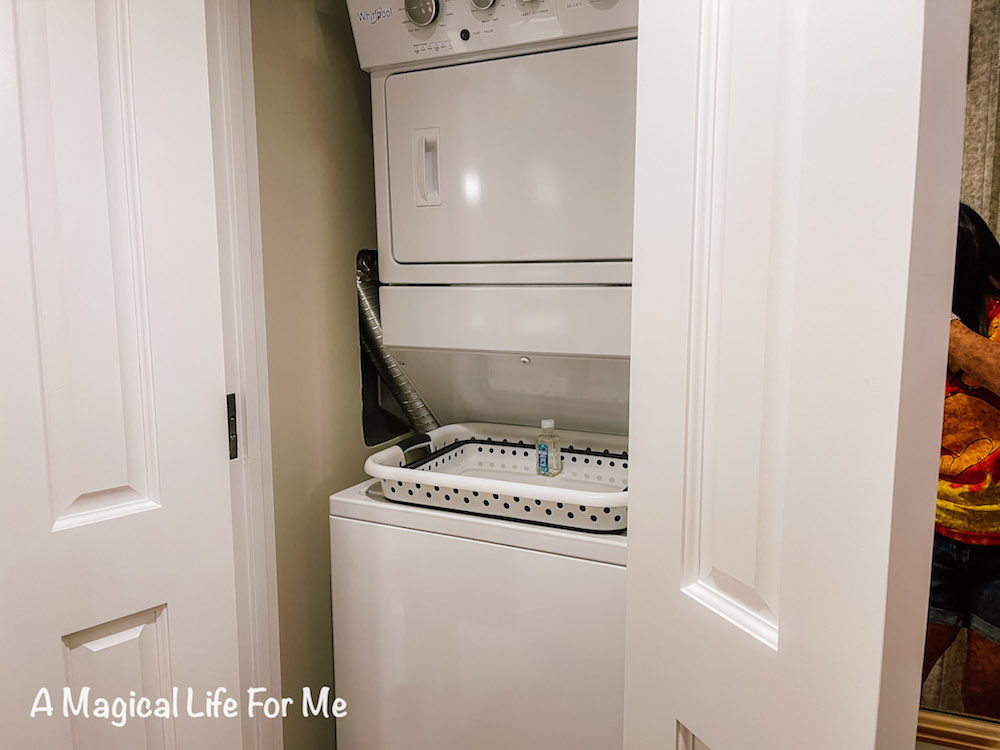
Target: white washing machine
[[459, 631], [504, 161]]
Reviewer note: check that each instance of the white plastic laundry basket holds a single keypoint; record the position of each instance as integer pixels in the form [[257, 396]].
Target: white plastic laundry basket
[[489, 470]]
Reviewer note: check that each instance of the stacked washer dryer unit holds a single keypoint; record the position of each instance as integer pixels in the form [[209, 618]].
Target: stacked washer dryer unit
[[504, 142]]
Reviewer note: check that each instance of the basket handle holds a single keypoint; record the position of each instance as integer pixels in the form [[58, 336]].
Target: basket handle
[[414, 441]]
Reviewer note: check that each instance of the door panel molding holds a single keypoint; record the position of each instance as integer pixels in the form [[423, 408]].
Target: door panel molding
[[742, 278], [128, 654], [88, 256]]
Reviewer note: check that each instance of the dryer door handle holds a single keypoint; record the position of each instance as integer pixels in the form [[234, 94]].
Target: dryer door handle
[[426, 167]]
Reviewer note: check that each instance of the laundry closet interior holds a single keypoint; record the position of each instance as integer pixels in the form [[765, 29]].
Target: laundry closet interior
[[483, 153]]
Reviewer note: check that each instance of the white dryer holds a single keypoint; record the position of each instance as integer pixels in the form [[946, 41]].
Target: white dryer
[[504, 159]]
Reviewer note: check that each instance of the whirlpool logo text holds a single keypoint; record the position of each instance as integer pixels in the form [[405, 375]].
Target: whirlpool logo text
[[374, 16]]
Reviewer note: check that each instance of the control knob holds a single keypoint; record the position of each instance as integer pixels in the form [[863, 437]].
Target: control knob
[[422, 12], [482, 4]]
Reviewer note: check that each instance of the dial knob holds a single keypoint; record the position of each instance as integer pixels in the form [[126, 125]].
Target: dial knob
[[422, 12], [482, 4]]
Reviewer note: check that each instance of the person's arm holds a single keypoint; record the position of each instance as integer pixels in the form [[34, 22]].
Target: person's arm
[[977, 356]]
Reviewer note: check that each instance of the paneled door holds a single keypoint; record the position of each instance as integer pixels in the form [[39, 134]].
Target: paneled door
[[797, 180], [116, 540]]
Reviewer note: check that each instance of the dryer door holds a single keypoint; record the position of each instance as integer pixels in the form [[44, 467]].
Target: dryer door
[[527, 158]]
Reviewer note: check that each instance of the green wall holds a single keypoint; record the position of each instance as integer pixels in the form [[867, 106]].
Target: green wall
[[317, 210]]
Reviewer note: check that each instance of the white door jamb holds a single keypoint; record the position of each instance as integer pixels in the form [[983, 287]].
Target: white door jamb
[[241, 264]]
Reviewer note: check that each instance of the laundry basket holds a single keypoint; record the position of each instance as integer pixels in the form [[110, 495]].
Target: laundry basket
[[489, 469]]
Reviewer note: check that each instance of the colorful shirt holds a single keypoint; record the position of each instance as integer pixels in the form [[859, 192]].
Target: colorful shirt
[[968, 506]]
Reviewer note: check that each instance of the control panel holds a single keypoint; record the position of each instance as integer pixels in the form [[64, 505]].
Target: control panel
[[392, 33]]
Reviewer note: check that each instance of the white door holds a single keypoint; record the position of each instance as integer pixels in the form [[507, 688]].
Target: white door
[[116, 541], [797, 186]]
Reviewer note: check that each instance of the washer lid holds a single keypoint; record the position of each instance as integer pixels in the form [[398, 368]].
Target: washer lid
[[364, 502]]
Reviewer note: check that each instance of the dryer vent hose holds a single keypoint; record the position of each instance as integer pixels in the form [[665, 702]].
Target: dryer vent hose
[[389, 370]]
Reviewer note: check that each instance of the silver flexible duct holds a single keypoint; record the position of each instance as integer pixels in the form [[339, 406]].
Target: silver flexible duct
[[405, 392]]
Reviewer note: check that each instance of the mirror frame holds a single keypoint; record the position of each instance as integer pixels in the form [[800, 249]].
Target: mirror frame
[[952, 730]]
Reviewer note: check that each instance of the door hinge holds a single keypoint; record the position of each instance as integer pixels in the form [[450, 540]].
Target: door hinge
[[231, 409]]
